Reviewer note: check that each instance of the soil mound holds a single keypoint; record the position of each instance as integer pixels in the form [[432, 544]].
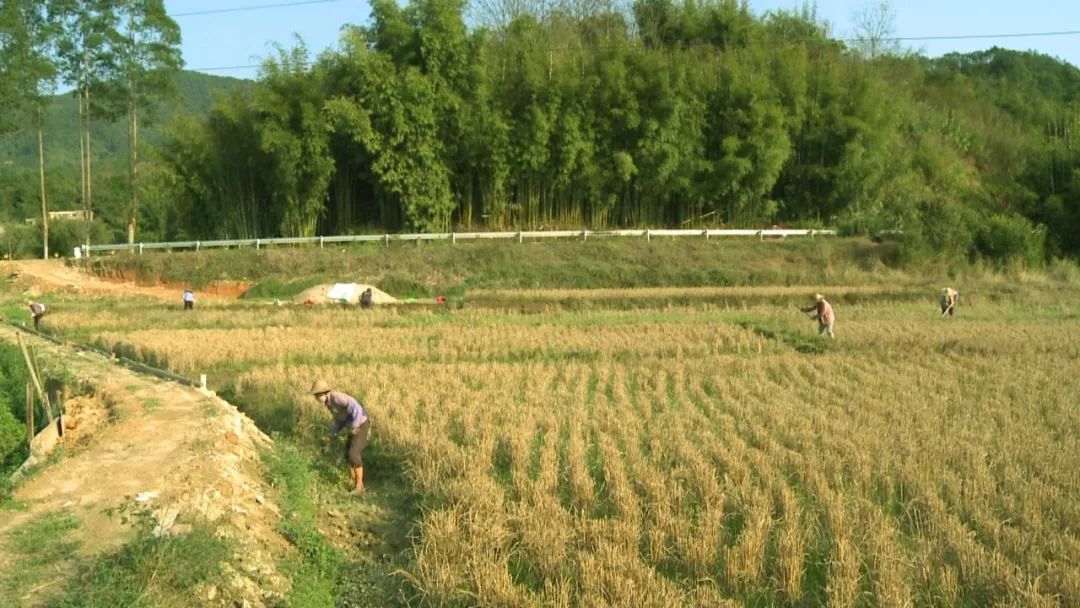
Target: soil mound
[[327, 294]]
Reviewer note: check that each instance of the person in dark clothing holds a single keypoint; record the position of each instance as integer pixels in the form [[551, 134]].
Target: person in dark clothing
[[365, 298]]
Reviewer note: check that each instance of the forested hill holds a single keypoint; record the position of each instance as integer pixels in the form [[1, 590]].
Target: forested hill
[[195, 94], [674, 113]]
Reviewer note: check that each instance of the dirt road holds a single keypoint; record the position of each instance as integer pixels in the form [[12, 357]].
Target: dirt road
[[180, 452], [55, 275]]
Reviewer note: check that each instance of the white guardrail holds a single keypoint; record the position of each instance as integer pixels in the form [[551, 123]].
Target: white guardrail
[[453, 237]]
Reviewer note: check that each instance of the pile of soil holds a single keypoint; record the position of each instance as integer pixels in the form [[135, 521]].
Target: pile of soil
[[317, 295], [82, 416]]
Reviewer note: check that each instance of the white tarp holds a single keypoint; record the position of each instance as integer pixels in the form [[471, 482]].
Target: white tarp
[[343, 292]]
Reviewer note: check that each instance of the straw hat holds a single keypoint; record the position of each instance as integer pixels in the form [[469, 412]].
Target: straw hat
[[819, 297], [320, 387]]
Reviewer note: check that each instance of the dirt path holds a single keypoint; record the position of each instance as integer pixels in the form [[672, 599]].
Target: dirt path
[[198, 456], [188, 454], [55, 275]]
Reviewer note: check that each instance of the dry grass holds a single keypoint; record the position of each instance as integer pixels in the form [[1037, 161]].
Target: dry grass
[[672, 457]]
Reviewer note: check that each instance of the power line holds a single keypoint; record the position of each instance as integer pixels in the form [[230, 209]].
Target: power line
[[252, 8], [893, 39], [223, 68], [241, 9], [969, 36]]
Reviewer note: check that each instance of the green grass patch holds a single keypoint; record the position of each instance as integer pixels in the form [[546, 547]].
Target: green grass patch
[[318, 564], [43, 566], [802, 341], [150, 571], [42, 540], [36, 549], [274, 287], [152, 404]]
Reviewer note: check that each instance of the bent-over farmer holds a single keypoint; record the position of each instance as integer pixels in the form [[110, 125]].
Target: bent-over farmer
[[949, 298], [348, 414], [37, 310], [189, 299], [825, 315]]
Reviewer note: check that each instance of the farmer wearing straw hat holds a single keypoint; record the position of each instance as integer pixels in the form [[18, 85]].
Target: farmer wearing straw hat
[[824, 313], [348, 414], [948, 301]]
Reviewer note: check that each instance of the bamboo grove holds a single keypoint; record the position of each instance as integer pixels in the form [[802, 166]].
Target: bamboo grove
[[664, 114], [437, 116]]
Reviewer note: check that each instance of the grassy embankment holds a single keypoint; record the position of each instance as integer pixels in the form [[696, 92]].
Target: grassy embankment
[[425, 269]]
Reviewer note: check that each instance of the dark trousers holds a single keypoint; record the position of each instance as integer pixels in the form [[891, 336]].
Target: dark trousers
[[354, 450]]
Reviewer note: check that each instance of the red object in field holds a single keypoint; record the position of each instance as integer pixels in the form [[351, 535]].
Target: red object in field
[[440, 299]]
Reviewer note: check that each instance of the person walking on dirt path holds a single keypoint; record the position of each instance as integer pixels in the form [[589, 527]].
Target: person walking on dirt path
[[948, 300], [37, 310], [824, 313], [348, 414], [189, 299]]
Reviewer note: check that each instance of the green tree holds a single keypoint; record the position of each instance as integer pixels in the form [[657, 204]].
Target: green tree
[[87, 59], [27, 58], [148, 59], [294, 135]]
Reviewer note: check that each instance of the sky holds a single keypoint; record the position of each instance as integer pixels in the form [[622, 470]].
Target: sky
[[231, 37]]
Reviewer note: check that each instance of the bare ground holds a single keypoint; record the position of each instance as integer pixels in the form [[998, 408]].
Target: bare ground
[[54, 275], [187, 455]]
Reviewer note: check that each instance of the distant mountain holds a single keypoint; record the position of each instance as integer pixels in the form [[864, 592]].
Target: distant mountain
[[196, 93]]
